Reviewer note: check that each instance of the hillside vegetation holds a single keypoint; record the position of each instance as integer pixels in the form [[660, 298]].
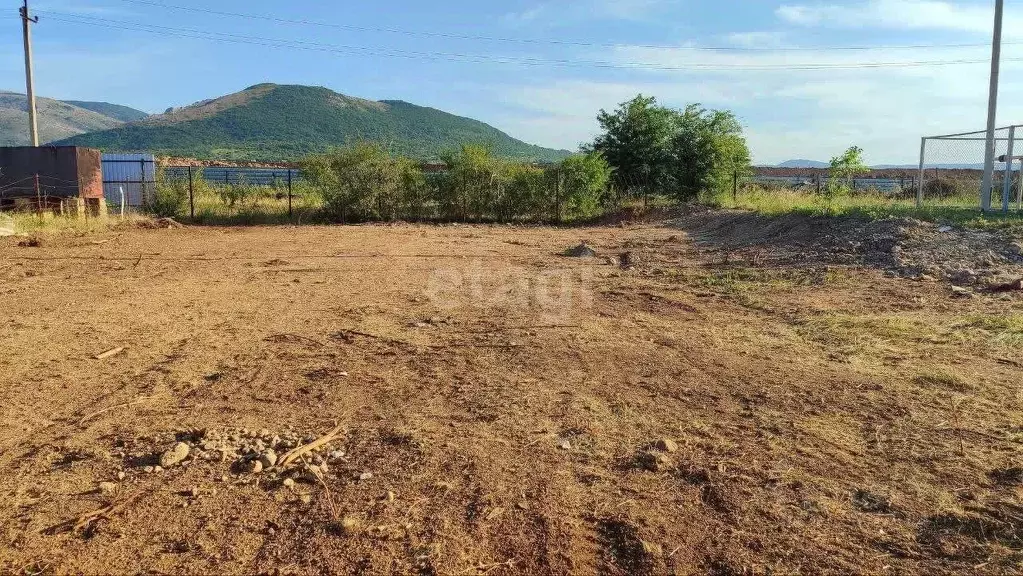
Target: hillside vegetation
[[56, 120], [274, 122], [115, 111]]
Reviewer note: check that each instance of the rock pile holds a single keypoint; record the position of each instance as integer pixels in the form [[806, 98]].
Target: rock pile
[[248, 452]]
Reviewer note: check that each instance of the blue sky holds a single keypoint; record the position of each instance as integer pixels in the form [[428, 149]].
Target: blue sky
[[568, 58]]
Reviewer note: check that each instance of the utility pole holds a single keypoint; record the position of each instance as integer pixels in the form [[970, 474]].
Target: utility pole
[[26, 23], [992, 109]]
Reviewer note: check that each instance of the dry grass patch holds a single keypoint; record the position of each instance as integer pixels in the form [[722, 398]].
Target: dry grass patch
[[942, 379], [1000, 329], [869, 334]]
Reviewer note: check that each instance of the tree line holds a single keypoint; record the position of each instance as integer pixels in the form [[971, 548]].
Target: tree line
[[643, 149]]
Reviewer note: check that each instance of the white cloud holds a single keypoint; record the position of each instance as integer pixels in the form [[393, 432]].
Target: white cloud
[[787, 112], [900, 14], [762, 39]]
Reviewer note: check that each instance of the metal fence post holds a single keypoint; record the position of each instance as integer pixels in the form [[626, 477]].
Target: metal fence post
[[142, 182], [557, 196], [191, 194], [1007, 185], [920, 181], [735, 186], [289, 193]]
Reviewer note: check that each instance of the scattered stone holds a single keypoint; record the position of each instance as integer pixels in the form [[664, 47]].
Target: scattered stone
[[565, 444], [120, 475], [175, 455], [653, 461], [580, 251], [944, 229], [1011, 286], [960, 292], [627, 260], [107, 488], [194, 492], [157, 469], [288, 483], [652, 548], [365, 476], [1016, 249], [268, 459], [147, 469], [305, 498], [389, 496], [350, 525], [312, 473], [254, 467], [666, 445], [335, 455]]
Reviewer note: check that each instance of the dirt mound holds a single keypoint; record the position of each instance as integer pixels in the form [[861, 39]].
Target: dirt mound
[[580, 251], [156, 223], [903, 246]]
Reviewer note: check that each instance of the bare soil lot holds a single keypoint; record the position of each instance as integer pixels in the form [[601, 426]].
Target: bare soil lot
[[715, 407]]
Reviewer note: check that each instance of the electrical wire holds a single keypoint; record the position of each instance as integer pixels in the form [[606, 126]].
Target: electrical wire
[[481, 58], [580, 43], [14, 184]]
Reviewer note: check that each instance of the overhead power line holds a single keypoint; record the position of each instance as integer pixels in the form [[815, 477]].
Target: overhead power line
[[479, 58], [579, 43]]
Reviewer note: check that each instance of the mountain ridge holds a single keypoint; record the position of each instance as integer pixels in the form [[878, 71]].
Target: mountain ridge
[[110, 110], [57, 119], [276, 122]]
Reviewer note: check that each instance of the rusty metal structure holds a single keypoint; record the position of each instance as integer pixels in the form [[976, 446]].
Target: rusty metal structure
[[47, 177]]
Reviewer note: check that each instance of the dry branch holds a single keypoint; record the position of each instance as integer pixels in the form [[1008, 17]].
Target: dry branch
[[109, 353], [292, 455], [290, 337], [109, 408], [83, 521]]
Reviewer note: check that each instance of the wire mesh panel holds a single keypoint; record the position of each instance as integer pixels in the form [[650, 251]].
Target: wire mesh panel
[[952, 169]]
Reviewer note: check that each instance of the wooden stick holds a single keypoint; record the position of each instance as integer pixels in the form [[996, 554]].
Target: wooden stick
[[292, 455], [109, 408], [345, 332], [109, 353], [76, 524], [286, 337]]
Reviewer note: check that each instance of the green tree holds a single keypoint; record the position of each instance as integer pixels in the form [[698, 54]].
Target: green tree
[[847, 166], [680, 152], [636, 141], [707, 151]]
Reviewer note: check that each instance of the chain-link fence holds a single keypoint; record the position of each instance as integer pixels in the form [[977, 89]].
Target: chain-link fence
[[952, 170]]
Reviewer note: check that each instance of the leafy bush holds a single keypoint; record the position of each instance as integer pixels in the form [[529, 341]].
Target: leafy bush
[[524, 195], [470, 189], [170, 197], [357, 182], [584, 183], [945, 188]]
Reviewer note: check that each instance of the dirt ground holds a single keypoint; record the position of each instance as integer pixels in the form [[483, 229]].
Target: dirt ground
[[703, 405]]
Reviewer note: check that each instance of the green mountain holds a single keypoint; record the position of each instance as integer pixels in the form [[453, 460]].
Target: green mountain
[[115, 111], [55, 119], [275, 122]]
